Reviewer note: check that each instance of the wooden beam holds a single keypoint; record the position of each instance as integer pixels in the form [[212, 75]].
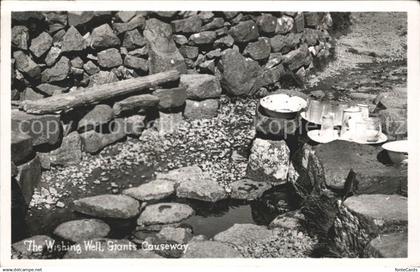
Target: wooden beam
[[96, 94]]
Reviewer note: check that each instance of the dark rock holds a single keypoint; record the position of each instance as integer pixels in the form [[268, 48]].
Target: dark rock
[[164, 213], [21, 147], [28, 178], [299, 22], [201, 109], [171, 98], [41, 44], [201, 86], [390, 245], [137, 22], [211, 249], [44, 129], [50, 89], [258, 50], [189, 25], [133, 39], [82, 230], [247, 189], [108, 206], [58, 72], [136, 63], [310, 36], [214, 24], [270, 76], [30, 94], [100, 115], [26, 65], [297, 58], [267, 23], [289, 220], [311, 19], [154, 190], [69, 153], [125, 16], [189, 52], [224, 42], [20, 37], [204, 37], [166, 14], [103, 37], [229, 14], [52, 56], [208, 66], [91, 68], [163, 54], [109, 58], [285, 43], [246, 31]]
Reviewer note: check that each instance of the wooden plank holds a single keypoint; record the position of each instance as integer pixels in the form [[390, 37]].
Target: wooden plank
[[96, 94]]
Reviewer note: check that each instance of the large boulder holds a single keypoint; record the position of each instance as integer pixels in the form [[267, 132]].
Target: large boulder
[[201, 86], [164, 213], [163, 54], [81, 230], [238, 74], [108, 206], [211, 249], [154, 190], [269, 161], [201, 109]]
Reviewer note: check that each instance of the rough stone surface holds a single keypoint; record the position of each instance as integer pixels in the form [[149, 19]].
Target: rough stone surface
[[81, 230], [28, 177], [136, 63], [214, 24], [246, 31], [188, 25], [297, 58], [247, 189], [23, 252], [267, 23], [211, 249], [285, 43], [137, 21], [20, 37], [203, 188], [41, 44], [164, 213], [133, 39], [201, 109], [289, 220], [101, 114], [284, 24], [171, 98], [154, 190], [21, 147], [391, 245], [108, 206], [243, 234], [258, 50], [52, 56], [93, 141], [204, 37], [58, 72], [201, 86], [103, 77], [73, 41], [26, 65], [91, 68], [69, 153], [179, 235], [269, 161], [103, 37], [189, 52], [135, 124], [109, 58], [224, 42]]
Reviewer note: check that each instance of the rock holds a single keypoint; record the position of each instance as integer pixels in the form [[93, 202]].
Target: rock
[[267, 23], [21, 147], [26, 65], [180, 39], [58, 72], [243, 234], [206, 16], [246, 31], [136, 63], [135, 103], [394, 99], [69, 153], [125, 16], [270, 76], [154, 190], [224, 42], [202, 38], [182, 174], [203, 188], [246, 189], [362, 218], [109, 58], [284, 24], [81, 230], [23, 251], [285, 43], [28, 178], [77, 62], [140, 52], [164, 213], [52, 56], [44, 129], [258, 50], [359, 171], [201, 109], [238, 74], [103, 77], [76, 18], [20, 37], [297, 58], [91, 68], [214, 24], [188, 25], [211, 249], [201, 86], [189, 52], [73, 41], [178, 235], [41, 44], [103, 37], [108, 206], [133, 39], [289, 220], [30, 94], [392, 245], [100, 115], [171, 98], [269, 161], [311, 19], [135, 124], [208, 66], [93, 141], [169, 122], [394, 123], [163, 53], [102, 248], [137, 22], [310, 36], [299, 22], [49, 89]]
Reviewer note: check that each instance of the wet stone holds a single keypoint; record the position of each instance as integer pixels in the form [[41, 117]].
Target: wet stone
[[164, 213], [81, 230]]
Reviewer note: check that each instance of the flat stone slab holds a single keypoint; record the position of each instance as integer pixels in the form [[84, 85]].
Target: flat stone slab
[[247, 189], [164, 213], [80, 230], [108, 206], [391, 245], [154, 190], [107, 248], [243, 234], [202, 188], [211, 249], [370, 175]]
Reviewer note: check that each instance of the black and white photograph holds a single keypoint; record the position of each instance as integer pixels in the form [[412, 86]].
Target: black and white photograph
[[189, 133]]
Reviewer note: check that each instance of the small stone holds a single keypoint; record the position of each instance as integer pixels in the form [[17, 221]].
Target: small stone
[[224, 42], [41, 44], [136, 63], [52, 56], [204, 37], [133, 39], [190, 52], [189, 25], [180, 39], [285, 43], [109, 58], [77, 62], [20, 37], [91, 68], [103, 37], [58, 72], [267, 23], [258, 50], [125, 16], [154, 190], [284, 24], [246, 31], [26, 65], [73, 41], [216, 53], [60, 204], [140, 52]]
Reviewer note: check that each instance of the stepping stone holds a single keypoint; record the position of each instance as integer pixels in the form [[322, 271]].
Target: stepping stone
[[247, 189], [108, 206], [154, 190], [211, 249], [204, 189], [81, 230], [22, 251], [164, 213], [179, 235], [181, 174], [107, 248], [391, 245], [243, 234], [363, 217]]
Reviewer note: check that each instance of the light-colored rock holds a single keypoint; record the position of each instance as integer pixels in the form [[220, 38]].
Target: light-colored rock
[[203, 188], [73, 41], [103, 37], [164, 213], [211, 249], [201, 86], [390, 245], [81, 230], [201, 109], [243, 234], [154, 190], [179, 235], [40, 44]]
